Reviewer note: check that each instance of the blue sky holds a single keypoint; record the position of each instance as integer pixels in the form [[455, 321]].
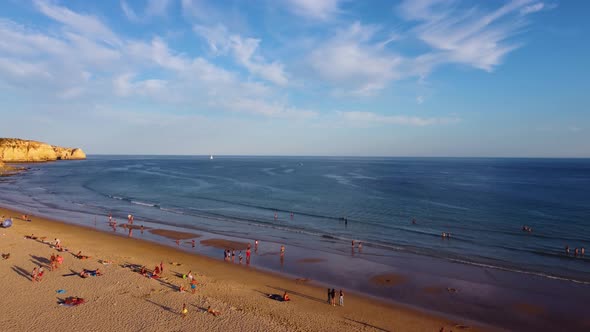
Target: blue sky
[[298, 77]]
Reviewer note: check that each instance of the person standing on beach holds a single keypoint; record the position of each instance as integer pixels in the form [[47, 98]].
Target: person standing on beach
[[341, 300], [333, 297], [34, 275], [248, 253], [40, 273], [161, 267], [282, 250], [255, 245], [193, 242], [329, 296], [184, 310]]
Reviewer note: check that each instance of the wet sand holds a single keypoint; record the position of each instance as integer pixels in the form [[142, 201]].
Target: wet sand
[[174, 235], [389, 279], [125, 300], [310, 260], [225, 244]]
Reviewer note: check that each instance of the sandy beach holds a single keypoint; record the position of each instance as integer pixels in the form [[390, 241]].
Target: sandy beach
[[123, 299]]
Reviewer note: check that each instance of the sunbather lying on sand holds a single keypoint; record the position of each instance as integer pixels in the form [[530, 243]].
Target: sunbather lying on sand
[[285, 297], [87, 273], [80, 256], [72, 301], [213, 312]]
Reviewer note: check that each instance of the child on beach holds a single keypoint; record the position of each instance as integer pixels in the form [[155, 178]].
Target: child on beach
[[184, 310], [240, 257], [34, 275], [341, 300], [194, 286]]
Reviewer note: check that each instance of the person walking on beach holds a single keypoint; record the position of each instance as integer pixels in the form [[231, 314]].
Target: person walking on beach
[[333, 297], [193, 242], [329, 296], [184, 310], [341, 299]]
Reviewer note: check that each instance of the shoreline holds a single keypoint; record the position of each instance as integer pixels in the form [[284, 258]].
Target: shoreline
[[308, 299]]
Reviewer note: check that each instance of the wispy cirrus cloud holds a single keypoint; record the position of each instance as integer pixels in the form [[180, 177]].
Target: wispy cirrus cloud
[[370, 118], [87, 25], [244, 51], [466, 35], [152, 9], [315, 9]]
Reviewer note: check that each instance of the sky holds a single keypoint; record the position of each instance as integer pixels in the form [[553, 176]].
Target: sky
[[299, 77]]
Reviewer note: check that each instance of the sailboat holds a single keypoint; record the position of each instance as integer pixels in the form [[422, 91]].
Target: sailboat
[[210, 157]]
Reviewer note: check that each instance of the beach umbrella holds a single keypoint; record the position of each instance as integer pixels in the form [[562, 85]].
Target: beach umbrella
[[7, 223]]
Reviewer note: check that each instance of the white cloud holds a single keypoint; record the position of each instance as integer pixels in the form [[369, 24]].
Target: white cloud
[[87, 25], [467, 36], [271, 109], [125, 86], [315, 9], [532, 8], [370, 118], [153, 8], [353, 59], [244, 51]]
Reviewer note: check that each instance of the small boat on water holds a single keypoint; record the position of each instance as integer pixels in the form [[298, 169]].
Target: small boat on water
[[210, 157]]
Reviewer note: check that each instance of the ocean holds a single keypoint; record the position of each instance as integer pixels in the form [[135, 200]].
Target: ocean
[[397, 207]]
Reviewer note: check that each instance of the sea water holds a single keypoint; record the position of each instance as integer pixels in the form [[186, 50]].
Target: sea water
[[393, 204]]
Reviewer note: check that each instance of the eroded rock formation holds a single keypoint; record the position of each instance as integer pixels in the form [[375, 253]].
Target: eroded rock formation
[[20, 150]]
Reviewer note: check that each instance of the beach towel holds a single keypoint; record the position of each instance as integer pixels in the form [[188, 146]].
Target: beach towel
[[60, 291]]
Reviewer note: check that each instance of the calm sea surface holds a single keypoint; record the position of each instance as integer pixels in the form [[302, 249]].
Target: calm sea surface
[[483, 203]]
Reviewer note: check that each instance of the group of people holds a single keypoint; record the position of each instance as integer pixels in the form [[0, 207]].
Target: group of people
[[332, 297], [192, 282], [156, 272], [359, 246], [37, 274], [526, 228], [230, 254], [55, 261], [577, 251]]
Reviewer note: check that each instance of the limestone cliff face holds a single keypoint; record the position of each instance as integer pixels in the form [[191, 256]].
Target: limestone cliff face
[[19, 150]]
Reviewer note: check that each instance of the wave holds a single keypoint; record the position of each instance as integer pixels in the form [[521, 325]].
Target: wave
[[145, 204]]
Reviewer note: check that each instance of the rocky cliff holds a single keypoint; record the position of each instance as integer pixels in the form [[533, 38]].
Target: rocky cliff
[[20, 150]]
